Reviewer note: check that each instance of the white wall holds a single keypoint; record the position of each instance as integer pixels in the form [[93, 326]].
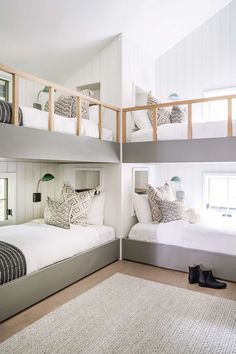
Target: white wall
[[206, 59], [27, 176]]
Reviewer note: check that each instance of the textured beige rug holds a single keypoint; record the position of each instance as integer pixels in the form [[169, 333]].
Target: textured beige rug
[[129, 315]]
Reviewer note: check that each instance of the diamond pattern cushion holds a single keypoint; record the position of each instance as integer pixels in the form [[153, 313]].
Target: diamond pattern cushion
[[80, 203], [57, 214], [177, 115], [171, 210], [154, 196], [163, 114]]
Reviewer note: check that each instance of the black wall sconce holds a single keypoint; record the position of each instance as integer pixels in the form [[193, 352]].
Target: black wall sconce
[[37, 196]]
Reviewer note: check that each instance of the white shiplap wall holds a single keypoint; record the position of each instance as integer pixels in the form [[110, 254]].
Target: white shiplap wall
[[27, 176], [206, 59]]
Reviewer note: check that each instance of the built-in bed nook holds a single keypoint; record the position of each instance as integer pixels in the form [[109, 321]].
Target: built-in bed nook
[[175, 221]]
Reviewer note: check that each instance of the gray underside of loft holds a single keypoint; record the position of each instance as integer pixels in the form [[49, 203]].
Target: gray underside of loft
[[195, 150], [34, 144]]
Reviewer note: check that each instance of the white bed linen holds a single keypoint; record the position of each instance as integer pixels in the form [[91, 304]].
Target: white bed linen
[[220, 237], [34, 118], [44, 244], [178, 131]]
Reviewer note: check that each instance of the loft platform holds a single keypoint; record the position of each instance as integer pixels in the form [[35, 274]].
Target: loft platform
[[33, 144], [195, 150]]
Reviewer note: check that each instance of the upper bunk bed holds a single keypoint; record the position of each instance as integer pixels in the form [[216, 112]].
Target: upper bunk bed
[[180, 141], [34, 133]]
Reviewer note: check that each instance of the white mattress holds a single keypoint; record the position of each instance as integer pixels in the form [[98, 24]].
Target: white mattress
[[219, 237], [34, 118], [178, 131], [44, 244]]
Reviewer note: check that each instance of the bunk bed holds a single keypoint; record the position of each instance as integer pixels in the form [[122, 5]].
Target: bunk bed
[[47, 136], [180, 142]]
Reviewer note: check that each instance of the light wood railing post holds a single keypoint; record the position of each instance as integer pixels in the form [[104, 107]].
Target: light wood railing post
[[100, 122], [124, 126], [190, 122], [230, 122], [78, 116], [51, 109], [118, 114], [15, 100], [154, 124]]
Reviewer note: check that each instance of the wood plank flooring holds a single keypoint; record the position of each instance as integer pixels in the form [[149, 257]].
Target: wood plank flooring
[[166, 276]]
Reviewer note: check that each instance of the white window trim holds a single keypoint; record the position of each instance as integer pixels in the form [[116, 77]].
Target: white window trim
[[137, 169], [205, 186], [91, 169], [11, 197]]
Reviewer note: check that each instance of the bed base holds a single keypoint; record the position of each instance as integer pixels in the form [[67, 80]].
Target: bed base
[[21, 293], [178, 258]]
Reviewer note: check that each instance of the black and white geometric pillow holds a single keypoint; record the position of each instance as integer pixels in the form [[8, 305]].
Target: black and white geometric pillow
[[177, 115], [154, 197], [80, 203], [163, 115], [6, 113], [171, 210], [57, 214]]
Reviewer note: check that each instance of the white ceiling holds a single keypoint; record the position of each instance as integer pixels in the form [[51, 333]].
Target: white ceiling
[[52, 38]]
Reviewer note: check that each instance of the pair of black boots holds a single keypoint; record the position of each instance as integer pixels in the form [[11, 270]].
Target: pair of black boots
[[204, 278]]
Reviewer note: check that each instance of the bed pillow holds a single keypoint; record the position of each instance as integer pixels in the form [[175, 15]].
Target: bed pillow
[[192, 216], [6, 113], [171, 210], [163, 114], [57, 214], [96, 211], [80, 203], [154, 196], [177, 115], [93, 113], [141, 119], [142, 208]]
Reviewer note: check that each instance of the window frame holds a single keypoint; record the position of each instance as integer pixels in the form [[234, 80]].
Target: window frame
[[205, 198], [7, 82], [11, 197]]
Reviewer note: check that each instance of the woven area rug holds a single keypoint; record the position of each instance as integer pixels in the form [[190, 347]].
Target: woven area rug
[[124, 314]]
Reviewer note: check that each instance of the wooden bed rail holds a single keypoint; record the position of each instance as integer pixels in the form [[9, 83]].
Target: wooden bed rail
[[188, 103], [16, 75]]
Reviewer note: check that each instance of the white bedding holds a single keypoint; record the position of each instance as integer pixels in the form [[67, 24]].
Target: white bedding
[[219, 237], [44, 244], [178, 131], [34, 118]]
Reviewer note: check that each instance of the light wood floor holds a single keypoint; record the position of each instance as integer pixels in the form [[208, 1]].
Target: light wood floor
[[179, 279]]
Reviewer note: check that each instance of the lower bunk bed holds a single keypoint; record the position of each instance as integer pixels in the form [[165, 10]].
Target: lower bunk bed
[[44, 259], [178, 244]]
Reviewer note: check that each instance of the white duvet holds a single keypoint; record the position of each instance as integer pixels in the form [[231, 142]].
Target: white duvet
[[34, 118], [219, 237], [178, 131], [44, 244]]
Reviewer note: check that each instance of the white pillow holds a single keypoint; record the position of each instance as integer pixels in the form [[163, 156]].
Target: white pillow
[[96, 211], [142, 208], [93, 113], [141, 119]]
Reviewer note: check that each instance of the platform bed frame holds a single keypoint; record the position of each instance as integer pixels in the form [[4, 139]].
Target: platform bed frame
[[178, 258], [21, 293]]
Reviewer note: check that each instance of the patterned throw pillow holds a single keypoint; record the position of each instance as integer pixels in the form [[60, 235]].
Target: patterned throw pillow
[[154, 197], [6, 113], [163, 115], [177, 114], [57, 214], [80, 203], [192, 216], [171, 210], [66, 106]]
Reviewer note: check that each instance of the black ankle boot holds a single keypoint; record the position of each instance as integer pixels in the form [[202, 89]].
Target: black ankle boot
[[206, 279], [193, 275]]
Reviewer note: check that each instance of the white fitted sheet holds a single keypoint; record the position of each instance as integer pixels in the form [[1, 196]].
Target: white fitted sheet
[[44, 244], [34, 118], [178, 131], [219, 237]]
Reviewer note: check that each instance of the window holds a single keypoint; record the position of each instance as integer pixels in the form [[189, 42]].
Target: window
[[7, 198], [220, 194], [4, 90], [218, 110]]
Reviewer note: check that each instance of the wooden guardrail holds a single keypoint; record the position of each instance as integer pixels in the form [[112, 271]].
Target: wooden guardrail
[[188, 103], [16, 75]]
